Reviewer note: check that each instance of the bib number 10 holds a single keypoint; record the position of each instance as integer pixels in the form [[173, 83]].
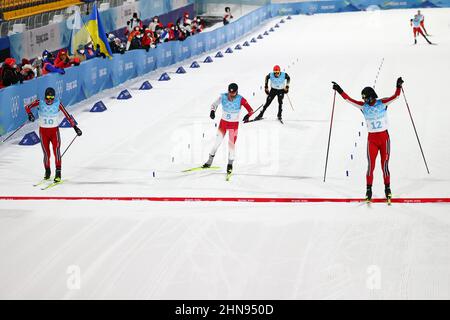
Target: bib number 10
[[48, 121], [376, 124]]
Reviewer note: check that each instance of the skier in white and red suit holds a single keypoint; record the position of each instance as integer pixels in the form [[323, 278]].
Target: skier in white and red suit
[[375, 113], [48, 111], [231, 105], [415, 23], [422, 21]]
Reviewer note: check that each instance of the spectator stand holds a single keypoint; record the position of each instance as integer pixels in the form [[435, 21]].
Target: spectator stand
[[95, 75]]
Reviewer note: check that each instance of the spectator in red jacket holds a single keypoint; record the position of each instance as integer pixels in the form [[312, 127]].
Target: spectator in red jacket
[[63, 60], [148, 39], [48, 64], [171, 32], [11, 73]]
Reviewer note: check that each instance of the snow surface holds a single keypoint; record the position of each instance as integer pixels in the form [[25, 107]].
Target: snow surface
[[246, 250]]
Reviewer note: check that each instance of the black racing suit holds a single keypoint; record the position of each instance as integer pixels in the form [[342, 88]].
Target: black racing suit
[[279, 93]]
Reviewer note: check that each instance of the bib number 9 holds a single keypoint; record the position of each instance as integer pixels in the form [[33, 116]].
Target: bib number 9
[[376, 124]]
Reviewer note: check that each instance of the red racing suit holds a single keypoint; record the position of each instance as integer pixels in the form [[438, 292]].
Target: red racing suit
[[48, 128], [378, 136]]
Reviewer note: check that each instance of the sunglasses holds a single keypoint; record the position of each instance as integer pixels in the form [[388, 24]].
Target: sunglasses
[[277, 72], [50, 97]]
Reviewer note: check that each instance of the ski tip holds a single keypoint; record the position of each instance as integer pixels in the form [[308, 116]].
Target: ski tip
[[53, 184], [40, 183], [201, 168]]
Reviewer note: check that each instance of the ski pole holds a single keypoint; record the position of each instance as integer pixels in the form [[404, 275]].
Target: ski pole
[[414, 126], [69, 145], [329, 136], [290, 102], [14, 131], [258, 108]]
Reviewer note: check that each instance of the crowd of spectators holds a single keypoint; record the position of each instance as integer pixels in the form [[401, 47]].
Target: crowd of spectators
[[140, 36], [135, 36], [12, 73]]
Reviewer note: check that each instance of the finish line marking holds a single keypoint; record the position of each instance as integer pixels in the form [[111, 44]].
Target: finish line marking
[[228, 199]]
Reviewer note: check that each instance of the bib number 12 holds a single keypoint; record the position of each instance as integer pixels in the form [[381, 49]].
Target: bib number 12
[[376, 124]]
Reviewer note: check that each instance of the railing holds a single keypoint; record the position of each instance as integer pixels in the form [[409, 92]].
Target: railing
[[25, 8], [42, 19]]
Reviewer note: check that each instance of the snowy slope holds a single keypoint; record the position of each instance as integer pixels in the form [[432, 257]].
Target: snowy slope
[[178, 250]]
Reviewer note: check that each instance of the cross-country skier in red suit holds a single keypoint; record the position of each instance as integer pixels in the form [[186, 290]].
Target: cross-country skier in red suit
[[416, 24], [422, 21], [48, 111], [375, 113], [231, 105]]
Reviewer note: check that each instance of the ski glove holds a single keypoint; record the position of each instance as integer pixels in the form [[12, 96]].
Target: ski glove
[[31, 117], [337, 87], [78, 131], [399, 82], [266, 89], [246, 117], [286, 90], [212, 115]]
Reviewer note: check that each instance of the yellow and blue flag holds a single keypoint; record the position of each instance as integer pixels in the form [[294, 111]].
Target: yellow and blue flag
[[80, 35], [95, 28]]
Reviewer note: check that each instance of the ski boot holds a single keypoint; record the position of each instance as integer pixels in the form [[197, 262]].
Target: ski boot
[[259, 116], [369, 194], [280, 110], [388, 193], [209, 162], [58, 175], [229, 170], [47, 174]]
